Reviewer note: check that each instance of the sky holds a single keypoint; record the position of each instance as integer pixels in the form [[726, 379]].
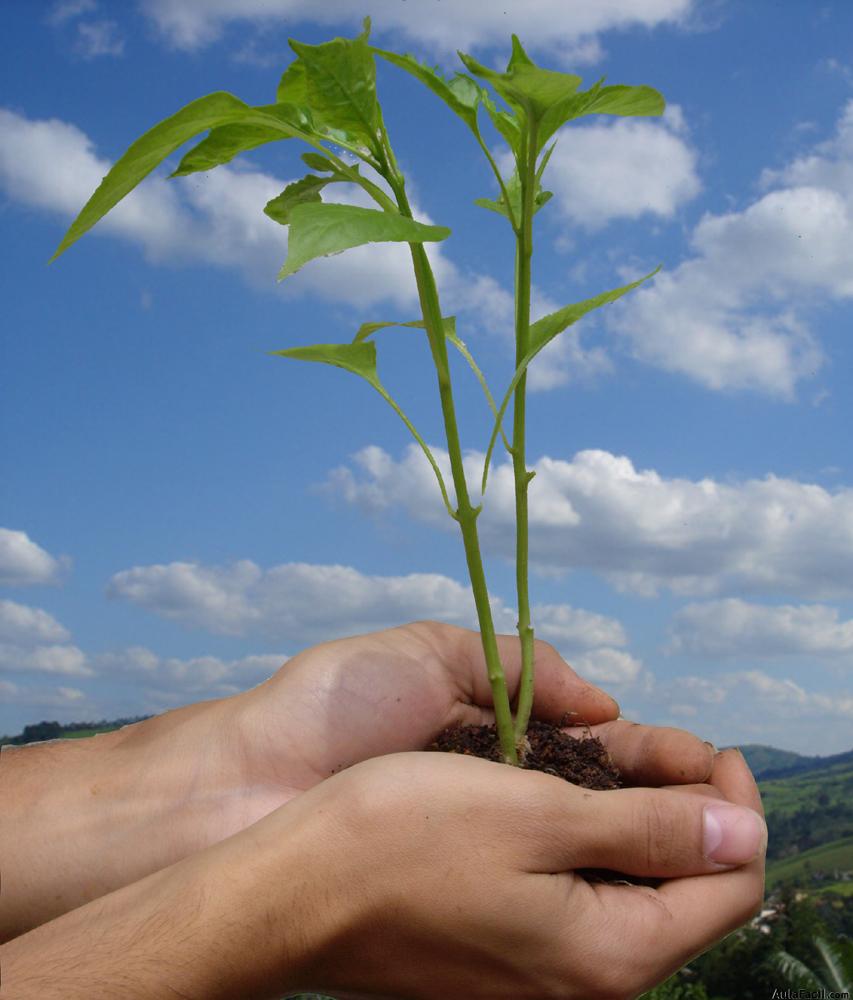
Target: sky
[[180, 511]]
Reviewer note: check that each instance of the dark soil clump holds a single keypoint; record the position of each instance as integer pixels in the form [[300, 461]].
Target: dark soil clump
[[583, 762]]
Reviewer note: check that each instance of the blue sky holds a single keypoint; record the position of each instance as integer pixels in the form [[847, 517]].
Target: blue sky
[[180, 511]]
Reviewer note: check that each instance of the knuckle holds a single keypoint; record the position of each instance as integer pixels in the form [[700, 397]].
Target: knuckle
[[660, 844]]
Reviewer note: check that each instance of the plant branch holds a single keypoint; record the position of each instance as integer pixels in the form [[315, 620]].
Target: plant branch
[[466, 514], [524, 253]]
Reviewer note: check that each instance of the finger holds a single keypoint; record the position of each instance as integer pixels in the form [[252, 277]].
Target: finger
[[650, 832], [685, 916], [557, 688], [654, 755]]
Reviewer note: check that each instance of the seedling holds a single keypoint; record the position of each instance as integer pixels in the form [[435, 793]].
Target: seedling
[[327, 99]]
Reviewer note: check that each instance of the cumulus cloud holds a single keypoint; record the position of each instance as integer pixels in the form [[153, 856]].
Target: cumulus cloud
[[595, 174], [640, 530], [174, 680], [22, 624], [734, 627], [567, 33], [32, 641], [49, 659], [299, 602], [23, 562], [304, 604], [731, 315]]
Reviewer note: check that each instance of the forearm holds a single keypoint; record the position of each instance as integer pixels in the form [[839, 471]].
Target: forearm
[[81, 818], [227, 922]]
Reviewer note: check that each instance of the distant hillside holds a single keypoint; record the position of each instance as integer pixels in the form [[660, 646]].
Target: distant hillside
[[768, 762], [45, 730]]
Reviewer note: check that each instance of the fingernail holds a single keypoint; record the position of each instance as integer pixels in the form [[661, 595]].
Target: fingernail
[[708, 743], [732, 835]]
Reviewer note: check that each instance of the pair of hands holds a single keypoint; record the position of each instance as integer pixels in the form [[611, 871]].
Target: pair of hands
[[362, 868], [453, 876]]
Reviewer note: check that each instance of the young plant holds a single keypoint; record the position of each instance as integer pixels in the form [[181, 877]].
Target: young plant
[[327, 99]]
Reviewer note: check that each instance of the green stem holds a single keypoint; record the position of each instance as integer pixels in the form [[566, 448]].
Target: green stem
[[466, 514], [523, 255]]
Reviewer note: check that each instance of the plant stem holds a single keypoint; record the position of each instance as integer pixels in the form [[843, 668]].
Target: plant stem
[[523, 255], [466, 514]]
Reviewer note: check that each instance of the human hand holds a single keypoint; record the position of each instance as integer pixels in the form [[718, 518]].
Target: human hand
[[438, 875], [350, 700]]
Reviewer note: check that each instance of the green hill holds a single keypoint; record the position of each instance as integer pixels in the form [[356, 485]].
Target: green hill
[[819, 866]]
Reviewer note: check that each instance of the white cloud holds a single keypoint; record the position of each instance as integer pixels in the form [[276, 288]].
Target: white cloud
[[32, 641], [304, 604], [22, 624], [566, 32], [23, 562], [734, 627], [48, 659], [67, 10], [99, 38], [177, 680], [622, 169], [730, 316], [298, 602], [607, 666], [640, 530]]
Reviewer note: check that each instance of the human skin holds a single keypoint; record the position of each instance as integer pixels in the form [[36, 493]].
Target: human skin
[[417, 876], [137, 800]]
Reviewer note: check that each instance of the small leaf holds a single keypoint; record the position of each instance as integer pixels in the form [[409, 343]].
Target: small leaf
[[525, 86], [506, 123], [543, 332], [316, 161], [320, 229], [338, 79], [617, 100], [513, 189], [461, 94], [357, 358], [223, 144], [301, 191]]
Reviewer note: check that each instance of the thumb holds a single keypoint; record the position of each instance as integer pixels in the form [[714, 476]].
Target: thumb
[[652, 832]]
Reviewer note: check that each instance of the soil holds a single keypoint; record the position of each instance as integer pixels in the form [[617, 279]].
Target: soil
[[583, 762]]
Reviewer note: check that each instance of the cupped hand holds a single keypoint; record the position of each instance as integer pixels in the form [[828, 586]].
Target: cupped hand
[[440, 875], [350, 700]]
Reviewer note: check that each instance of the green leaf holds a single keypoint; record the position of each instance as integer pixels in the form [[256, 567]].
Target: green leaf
[[319, 229], [360, 358], [357, 358], [548, 99], [506, 123], [316, 161], [461, 94], [156, 144], [338, 79], [223, 144], [526, 86], [616, 100], [513, 189], [301, 191], [542, 332]]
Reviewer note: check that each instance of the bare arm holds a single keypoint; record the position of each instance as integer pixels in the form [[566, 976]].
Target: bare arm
[[227, 922], [81, 818]]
